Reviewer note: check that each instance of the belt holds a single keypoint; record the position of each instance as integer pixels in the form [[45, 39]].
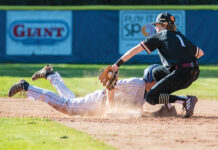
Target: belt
[[187, 65]]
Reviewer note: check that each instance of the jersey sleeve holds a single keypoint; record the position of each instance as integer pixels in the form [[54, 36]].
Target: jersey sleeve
[[151, 43], [194, 48], [197, 52]]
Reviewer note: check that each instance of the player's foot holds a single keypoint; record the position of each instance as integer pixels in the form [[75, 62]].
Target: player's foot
[[43, 73], [189, 106], [165, 112], [21, 85]]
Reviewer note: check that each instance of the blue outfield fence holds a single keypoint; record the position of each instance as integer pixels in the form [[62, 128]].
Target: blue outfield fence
[[96, 36]]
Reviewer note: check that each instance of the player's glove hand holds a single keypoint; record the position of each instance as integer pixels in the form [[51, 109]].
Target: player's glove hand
[[109, 77]]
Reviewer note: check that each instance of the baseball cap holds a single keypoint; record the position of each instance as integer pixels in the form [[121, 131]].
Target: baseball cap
[[148, 73], [164, 17]]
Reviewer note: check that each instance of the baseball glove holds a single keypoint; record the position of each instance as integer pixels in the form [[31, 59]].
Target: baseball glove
[[109, 77]]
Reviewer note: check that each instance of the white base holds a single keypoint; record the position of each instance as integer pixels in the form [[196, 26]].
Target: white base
[[131, 114]]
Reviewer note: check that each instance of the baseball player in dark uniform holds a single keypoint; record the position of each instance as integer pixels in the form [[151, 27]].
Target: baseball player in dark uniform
[[179, 58]]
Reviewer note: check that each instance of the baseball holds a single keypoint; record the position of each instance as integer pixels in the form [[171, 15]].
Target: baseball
[[109, 74]]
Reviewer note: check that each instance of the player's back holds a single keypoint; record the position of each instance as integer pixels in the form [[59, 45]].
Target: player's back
[[130, 92], [175, 48]]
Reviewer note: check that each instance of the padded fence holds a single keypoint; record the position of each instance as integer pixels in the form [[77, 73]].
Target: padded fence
[[95, 36]]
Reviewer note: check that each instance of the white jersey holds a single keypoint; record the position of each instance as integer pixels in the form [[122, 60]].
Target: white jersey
[[129, 92]]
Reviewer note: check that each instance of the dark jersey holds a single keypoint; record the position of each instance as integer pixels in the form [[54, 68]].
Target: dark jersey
[[173, 48]]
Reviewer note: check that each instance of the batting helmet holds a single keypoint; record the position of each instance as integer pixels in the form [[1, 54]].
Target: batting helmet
[[148, 73], [165, 17]]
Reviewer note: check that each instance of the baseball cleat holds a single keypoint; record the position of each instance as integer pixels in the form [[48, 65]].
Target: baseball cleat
[[21, 85], [165, 112], [189, 106], [43, 73]]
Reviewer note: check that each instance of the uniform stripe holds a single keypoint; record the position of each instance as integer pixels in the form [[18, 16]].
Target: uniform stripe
[[130, 92], [164, 98], [197, 52], [59, 85], [167, 98], [181, 40], [64, 90], [188, 104], [160, 99], [36, 93], [145, 47], [60, 104]]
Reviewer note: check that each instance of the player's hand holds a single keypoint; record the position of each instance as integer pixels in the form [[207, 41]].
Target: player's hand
[[108, 77]]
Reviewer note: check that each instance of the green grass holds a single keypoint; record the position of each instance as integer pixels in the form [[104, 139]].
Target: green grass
[[114, 7], [83, 79], [44, 134]]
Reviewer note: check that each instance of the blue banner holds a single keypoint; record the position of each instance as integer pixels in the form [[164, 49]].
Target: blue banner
[[135, 26], [39, 33], [2, 35], [96, 36]]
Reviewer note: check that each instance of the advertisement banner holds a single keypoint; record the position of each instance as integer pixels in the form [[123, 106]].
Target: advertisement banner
[[39, 33], [2, 33], [135, 26]]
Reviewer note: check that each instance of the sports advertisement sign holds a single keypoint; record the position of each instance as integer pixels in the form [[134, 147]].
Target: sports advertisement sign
[[39, 33], [135, 26]]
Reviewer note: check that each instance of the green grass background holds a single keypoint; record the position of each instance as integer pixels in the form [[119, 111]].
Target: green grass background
[[83, 79], [44, 134]]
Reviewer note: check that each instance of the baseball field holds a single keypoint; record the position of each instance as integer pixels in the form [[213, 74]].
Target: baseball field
[[26, 124]]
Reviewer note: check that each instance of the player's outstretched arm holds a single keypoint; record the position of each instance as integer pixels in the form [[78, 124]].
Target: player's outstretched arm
[[109, 75], [110, 97], [129, 54]]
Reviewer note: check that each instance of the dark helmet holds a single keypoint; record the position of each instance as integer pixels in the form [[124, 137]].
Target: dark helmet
[[164, 17], [148, 73]]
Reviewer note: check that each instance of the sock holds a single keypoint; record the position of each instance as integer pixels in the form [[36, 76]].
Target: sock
[[174, 98], [179, 102]]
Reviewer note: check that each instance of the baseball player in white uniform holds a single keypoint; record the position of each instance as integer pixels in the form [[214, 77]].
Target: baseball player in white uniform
[[128, 93]]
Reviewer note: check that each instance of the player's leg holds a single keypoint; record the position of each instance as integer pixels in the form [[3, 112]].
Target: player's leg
[[178, 79], [35, 93], [56, 81], [159, 73], [90, 105]]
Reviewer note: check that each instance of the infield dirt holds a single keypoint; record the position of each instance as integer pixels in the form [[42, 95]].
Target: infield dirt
[[198, 132]]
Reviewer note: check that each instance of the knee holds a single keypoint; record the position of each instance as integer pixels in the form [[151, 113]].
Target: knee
[[159, 73], [150, 98]]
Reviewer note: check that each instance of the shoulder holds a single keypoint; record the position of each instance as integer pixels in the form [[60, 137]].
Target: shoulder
[[131, 81]]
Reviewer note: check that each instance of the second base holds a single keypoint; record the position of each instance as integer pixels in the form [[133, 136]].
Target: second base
[[134, 114]]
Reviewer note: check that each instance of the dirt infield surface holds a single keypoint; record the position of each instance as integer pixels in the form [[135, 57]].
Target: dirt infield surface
[[199, 132]]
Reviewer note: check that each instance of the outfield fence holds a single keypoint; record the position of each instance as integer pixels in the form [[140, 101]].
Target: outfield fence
[[97, 34]]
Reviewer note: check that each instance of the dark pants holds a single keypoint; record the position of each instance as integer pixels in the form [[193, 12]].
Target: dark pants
[[169, 82]]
